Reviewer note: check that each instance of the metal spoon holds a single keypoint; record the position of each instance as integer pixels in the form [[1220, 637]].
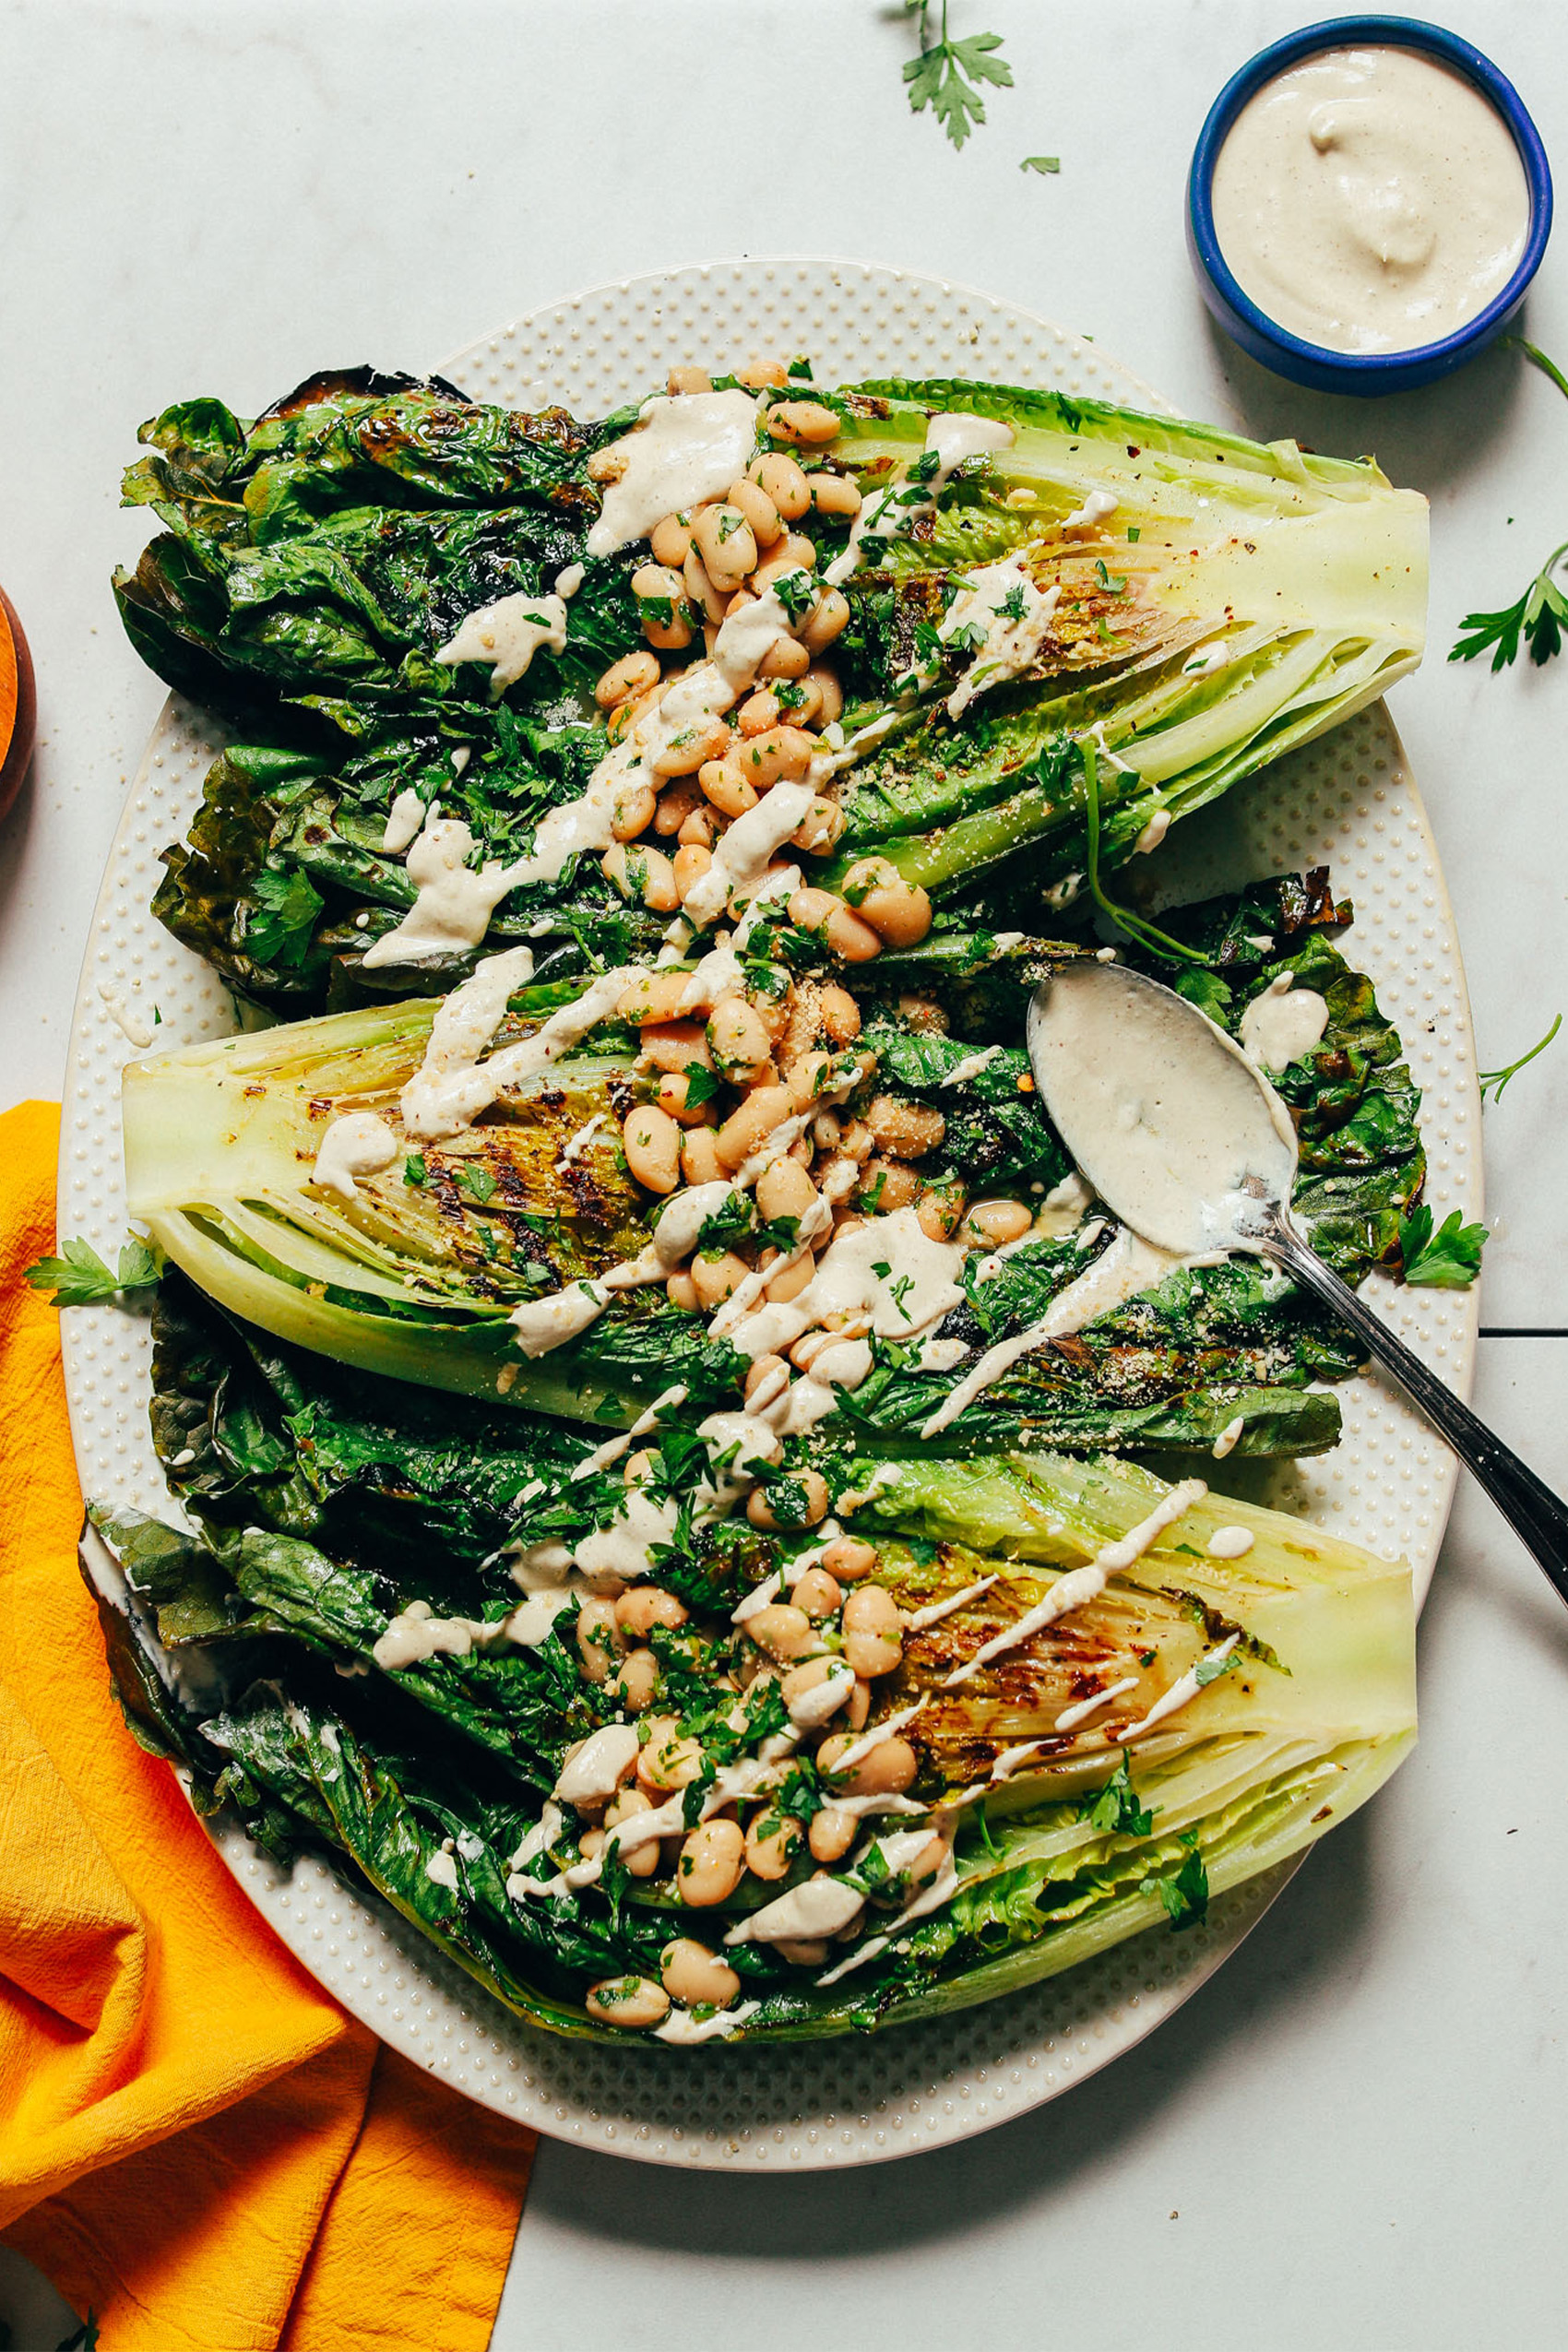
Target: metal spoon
[[1182, 1135]]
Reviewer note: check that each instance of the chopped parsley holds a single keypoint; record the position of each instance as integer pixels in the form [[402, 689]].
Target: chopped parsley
[[1115, 1808], [795, 592], [1185, 1892]]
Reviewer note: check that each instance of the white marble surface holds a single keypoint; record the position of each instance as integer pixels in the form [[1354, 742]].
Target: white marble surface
[[1359, 2123]]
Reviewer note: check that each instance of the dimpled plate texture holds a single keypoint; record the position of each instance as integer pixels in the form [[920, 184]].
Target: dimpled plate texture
[[1348, 800]]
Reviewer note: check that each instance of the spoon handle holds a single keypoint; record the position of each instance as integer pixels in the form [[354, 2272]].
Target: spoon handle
[[1537, 1516]]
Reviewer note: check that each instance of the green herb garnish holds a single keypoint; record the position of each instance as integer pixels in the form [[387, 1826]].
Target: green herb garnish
[[78, 1277], [1185, 1893], [1494, 1081], [1115, 1807], [947, 73], [1449, 1259]]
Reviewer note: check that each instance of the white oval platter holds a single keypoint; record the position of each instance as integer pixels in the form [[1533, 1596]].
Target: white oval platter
[[1348, 801]]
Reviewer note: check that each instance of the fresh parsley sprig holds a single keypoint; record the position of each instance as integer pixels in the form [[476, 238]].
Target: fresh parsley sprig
[[947, 73], [1539, 617], [1449, 1259], [78, 1277], [1494, 1081], [1542, 613]]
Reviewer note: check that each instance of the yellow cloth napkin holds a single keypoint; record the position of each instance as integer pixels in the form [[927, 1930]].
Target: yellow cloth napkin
[[195, 2142]]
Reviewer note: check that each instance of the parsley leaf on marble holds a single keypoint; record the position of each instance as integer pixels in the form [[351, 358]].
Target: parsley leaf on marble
[[947, 73]]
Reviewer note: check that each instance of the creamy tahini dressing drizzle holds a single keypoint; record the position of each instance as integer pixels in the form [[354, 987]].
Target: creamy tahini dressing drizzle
[[886, 511], [1282, 1024], [1371, 199], [465, 1022], [705, 693], [942, 1889], [1097, 508], [886, 1273], [1128, 1266], [575, 1145], [682, 2028], [818, 1908], [971, 1065], [917, 1620], [1163, 1113], [613, 1447], [508, 634], [452, 1087], [132, 1028], [889, 1728], [1185, 1688], [358, 1144], [592, 1775], [740, 856], [416, 1633], [1081, 1585], [689, 447], [452, 903], [1002, 599], [1070, 1717], [1229, 1438], [404, 821]]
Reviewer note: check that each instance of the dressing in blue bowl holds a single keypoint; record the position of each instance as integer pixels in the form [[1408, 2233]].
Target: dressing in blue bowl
[[1369, 201]]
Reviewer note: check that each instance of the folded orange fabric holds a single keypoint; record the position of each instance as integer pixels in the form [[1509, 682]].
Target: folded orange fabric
[[195, 2142]]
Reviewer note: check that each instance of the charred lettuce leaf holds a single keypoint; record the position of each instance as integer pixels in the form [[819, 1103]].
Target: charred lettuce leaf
[[250, 1430], [312, 562], [283, 882]]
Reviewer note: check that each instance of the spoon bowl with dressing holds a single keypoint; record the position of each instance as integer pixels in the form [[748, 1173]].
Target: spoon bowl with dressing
[[1183, 1138]]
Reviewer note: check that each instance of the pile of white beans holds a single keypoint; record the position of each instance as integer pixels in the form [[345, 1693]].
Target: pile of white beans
[[766, 1056], [709, 563], [784, 1644]]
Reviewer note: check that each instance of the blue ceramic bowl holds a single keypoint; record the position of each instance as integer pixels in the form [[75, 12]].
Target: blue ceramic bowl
[[1360, 372]]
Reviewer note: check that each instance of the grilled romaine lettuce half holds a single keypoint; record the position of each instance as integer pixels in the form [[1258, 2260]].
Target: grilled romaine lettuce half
[[417, 1276], [250, 1659], [1237, 599]]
